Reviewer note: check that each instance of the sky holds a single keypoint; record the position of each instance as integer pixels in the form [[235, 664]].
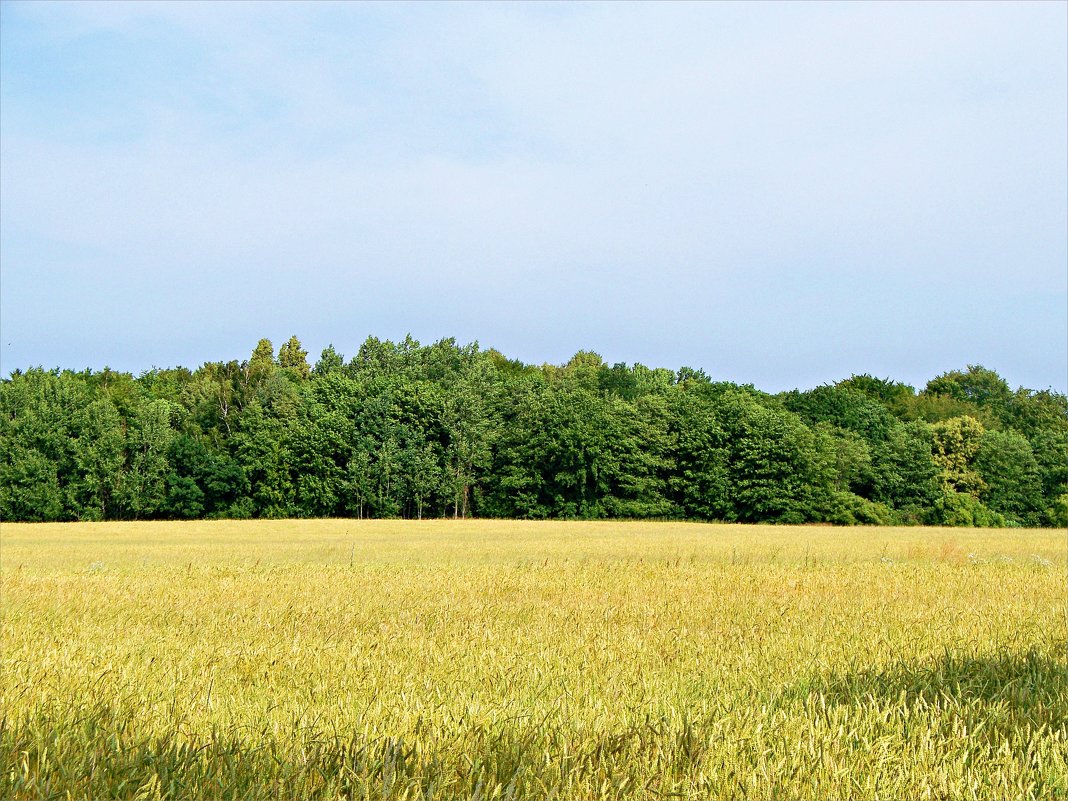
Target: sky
[[781, 194]]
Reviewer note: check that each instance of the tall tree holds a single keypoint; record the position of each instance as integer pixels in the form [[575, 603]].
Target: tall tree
[[292, 357], [99, 456], [1011, 478], [700, 483], [780, 471], [149, 435], [956, 444]]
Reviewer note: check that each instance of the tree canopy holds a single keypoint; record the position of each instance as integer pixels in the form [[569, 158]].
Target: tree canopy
[[410, 430]]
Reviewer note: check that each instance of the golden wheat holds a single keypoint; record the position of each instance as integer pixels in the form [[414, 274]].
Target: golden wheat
[[506, 659]]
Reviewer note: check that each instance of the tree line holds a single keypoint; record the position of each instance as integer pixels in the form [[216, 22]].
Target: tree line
[[449, 430]]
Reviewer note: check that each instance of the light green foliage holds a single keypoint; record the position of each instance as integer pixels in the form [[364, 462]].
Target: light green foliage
[[961, 509], [292, 357], [262, 357], [848, 509], [938, 408], [461, 659], [956, 444]]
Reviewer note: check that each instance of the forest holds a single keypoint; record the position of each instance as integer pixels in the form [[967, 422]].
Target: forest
[[449, 430]]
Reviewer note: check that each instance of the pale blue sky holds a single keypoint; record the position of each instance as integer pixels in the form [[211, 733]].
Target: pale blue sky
[[781, 194]]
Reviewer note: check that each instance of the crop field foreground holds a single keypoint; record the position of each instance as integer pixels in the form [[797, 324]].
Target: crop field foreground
[[491, 659]]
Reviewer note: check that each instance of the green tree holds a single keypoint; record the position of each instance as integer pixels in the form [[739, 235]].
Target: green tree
[[568, 451], [330, 361], [425, 474], [700, 483], [962, 509], [893, 395], [149, 435], [260, 365], [412, 430], [469, 428], [956, 443], [263, 452], [644, 447], [852, 460], [204, 482], [213, 398], [29, 485], [780, 471], [1050, 449], [978, 385], [37, 413], [1010, 473], [358, 483], [844, 408], [99, 456], [1031, 412], [323, 438], [375, 358], [905, 475], [292, 357], [939, 408]]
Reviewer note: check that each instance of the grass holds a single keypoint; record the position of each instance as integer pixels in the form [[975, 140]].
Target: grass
[[489, 659]]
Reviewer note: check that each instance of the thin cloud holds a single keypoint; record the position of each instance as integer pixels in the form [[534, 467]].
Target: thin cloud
[[770, 191]]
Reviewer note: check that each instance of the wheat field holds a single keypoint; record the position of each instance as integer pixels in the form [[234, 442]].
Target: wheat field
[[492, 659]]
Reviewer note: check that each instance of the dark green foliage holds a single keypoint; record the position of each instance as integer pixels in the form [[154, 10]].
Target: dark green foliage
[[1011, 476], [408, 430], [893, 395], [555, 457], [852, 460], [37, 458], [779, 470], [843, 407], [699, 484], [904, 472], [148, 438], [203, 482], [99, 460], [1057, 513], [1050, 449], [1036, 413]]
